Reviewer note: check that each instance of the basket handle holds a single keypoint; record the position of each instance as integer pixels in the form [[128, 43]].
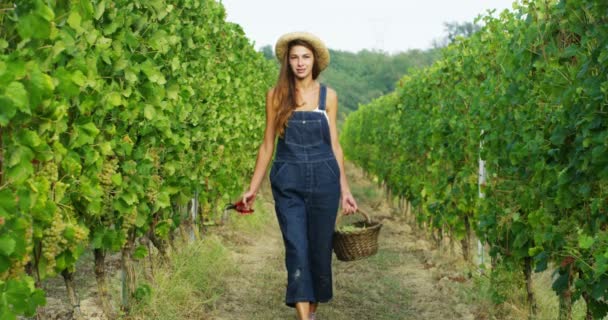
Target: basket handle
[[359, 210]]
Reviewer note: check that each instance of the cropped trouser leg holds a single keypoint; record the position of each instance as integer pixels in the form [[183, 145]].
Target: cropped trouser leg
[[322, 218], [293, 221]]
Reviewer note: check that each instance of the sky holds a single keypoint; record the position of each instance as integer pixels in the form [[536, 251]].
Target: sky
[[350, 25]]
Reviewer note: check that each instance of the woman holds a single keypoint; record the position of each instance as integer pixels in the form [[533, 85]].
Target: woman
[[307, 175]]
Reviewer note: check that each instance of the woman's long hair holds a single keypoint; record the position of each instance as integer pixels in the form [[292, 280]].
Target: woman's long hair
[[285, 90]]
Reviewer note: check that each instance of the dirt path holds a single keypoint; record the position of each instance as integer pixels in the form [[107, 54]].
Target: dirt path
[[407, 279]]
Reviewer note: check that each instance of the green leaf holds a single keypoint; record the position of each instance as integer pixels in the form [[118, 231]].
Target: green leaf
[[84, 134], [8, 110], [143, 293], [129, 198], [103, 43], [69, 232], [130, 75], [149, 112], [20, 172], [141, 219], [90, 129], [600, 289], [585, 241], [29, 138], [33, 26], [152, 73], [541, 261], [116, 179], [67, 85], [162, 229], [79, 78], [74, 20], [114, 99], [45, 12], [42, 83], [60, 263], [17, 94], [19, 155], [7, 203], [173, 92], [71, 163], [58, 48], [599, 154], [92, 36], [163, 200], [105, 148], [7, 245], [561, 282], [140, 252], [86, 9], [100, 9], [5, 264], [59, 190]]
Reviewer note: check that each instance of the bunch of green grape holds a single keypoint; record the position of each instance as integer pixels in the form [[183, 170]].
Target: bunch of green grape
[[108, 169], [62, 235], [49, 171], [128, 221], [153, 188], [53, 241], [349, 228]]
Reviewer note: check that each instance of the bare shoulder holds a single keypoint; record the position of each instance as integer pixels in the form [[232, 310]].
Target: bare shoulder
[[331, 93], [332, 98]]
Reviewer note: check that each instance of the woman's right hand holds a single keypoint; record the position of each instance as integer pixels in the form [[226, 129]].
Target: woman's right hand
[[248, 198]]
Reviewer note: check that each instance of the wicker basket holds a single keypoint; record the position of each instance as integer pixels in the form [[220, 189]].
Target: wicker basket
[[359, 244]]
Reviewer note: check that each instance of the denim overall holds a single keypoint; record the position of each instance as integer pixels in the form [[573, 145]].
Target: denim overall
[[305, 180]]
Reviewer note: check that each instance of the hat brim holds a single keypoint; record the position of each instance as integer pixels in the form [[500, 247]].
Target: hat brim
[[322, 53]]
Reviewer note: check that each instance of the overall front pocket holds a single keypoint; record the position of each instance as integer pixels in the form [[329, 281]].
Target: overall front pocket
[[304, 133]]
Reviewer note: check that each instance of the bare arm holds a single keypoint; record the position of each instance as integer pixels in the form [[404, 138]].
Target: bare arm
[[349, 205], [264, 153]]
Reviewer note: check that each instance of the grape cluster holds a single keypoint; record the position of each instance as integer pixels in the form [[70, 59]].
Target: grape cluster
[[349, 228], [128, 221], [49, 171], [81, 234], [46, 177], [17, 267], [53, 241], [153, 187], [155, 157], [108, 169]]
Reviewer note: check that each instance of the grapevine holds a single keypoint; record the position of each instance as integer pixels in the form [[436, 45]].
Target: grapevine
[[526, 94], [114, 113]]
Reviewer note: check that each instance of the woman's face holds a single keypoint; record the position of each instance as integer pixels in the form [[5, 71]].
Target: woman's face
[[301, 61]]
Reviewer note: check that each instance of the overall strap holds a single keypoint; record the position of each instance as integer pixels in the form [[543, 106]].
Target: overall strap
[[322, 95]]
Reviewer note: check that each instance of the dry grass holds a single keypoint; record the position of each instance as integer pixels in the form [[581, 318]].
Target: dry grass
[[191, 285]]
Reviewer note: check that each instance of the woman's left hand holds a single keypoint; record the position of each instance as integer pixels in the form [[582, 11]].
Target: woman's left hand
[[349, 205]]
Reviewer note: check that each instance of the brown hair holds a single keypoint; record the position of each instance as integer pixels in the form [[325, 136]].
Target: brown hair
[[285, 90]]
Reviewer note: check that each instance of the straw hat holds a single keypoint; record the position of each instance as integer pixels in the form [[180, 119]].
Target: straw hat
[[320, 49]]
